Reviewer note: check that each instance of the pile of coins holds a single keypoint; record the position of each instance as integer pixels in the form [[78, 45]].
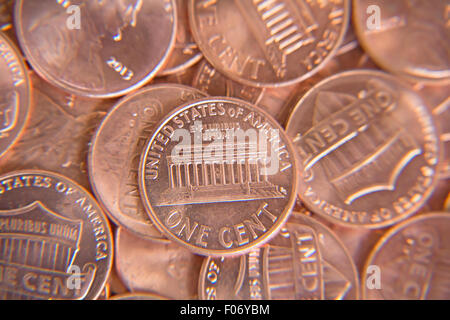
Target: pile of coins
[[224, 149]]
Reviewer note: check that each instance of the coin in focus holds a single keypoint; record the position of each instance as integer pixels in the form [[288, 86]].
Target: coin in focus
[[55, 241], [14, 94], [408, 38], [413, 261], [305, 261], [218, 176], [117, 146], [112, 48], [368, 148], [268, 43], [167, 269], [185, 52]]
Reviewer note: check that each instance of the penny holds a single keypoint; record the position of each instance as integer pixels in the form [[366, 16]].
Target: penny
[[268, 43], [185, 52], [368, 148], [55, 240], [408, 38], [306, 260], [228, 186], [96, 48], [14, 94], [412, 261], [138, 296], [117, 146], [55, 138], [163, 268]]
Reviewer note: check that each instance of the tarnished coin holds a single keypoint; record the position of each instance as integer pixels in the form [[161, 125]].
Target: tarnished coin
[[185, 52], [55, 240], [304, 261], [117, 146], [218, 176], [413, 261], [137, 296], [407, 37], [163, 268], [268, 43], [368, 148], [96, 48], [14, 94]]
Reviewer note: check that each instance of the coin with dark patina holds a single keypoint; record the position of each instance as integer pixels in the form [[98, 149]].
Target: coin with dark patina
[[96, 48], [55, 240], [14, 94], [306, 260], [368, 148], [218, 176], [411, 261], [117, 146], [268, 43]]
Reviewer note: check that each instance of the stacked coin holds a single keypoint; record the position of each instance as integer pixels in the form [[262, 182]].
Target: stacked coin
[[225, 149]]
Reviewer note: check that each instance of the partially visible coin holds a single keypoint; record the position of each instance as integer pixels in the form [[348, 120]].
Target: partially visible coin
[[408, 38], [14, 94], [163, 268], [185, 52], [117, 146], [97, 48], [268, 43], [413, 261], [368, 147], [218, 176], [306, 260], [55, 240]]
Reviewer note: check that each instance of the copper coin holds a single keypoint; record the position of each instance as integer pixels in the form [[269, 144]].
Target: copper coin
[[306, 260], [209, 80], [112, 48], [55, 138], [413, 260], [55, 240], [368, 147], [232, 186], [117, 146], [185, 52], [408, 38], [137, 296], [163, 268], [14, 94], [268, 43]]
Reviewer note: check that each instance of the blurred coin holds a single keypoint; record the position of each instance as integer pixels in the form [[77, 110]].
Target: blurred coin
[[55, 240], [413, 260], [268, 43], [185, 52], [14, 94], [305, 260], [218, 176], [55, 139], [96, 48], [368, 146], [164, 268], [117, 146], [408, 37]]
